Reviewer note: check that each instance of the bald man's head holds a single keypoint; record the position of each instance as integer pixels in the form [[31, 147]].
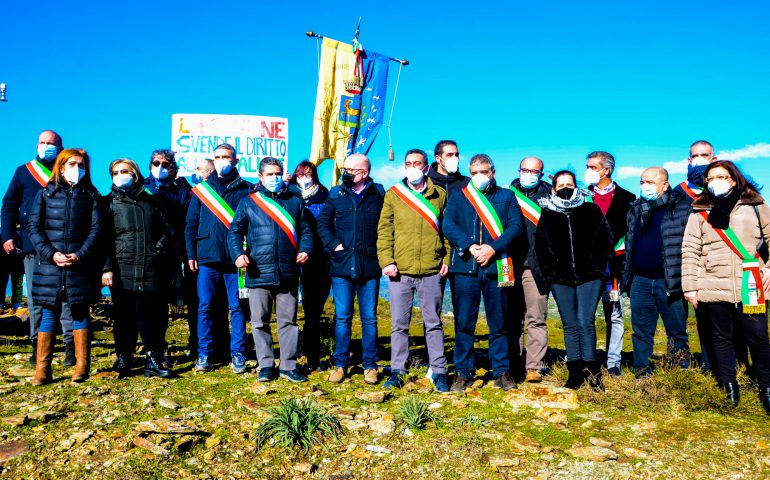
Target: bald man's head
[[357, 167], [531, 163], [654, 177]]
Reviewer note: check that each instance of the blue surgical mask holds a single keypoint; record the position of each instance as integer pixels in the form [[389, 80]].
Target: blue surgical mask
[[222, 167], [272, 183], [160, 173], [528, 180], [47, 152], [649, 192], [196, 179]]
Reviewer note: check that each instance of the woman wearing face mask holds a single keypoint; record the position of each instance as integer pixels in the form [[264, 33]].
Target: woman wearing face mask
[[316, 282], [65, 225], [138, 238], [573, 242], [725, 274]]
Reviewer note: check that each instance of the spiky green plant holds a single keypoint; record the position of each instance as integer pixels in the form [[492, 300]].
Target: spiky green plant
[[415, 412], [298, 423], [473, 421]]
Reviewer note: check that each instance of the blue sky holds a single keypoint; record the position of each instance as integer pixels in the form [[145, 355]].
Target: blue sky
[[554, 79]]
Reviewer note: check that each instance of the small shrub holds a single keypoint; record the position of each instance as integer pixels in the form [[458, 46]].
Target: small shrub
[[473, 421], [298, 423], [415, 412]]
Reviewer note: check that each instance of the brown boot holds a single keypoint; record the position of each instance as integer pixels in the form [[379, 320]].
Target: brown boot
[[45, 342], [82, 355]]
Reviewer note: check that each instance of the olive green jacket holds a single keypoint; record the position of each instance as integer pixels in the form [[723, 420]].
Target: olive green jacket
[[407, 239]]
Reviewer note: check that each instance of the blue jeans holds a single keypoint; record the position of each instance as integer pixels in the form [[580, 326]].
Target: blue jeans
[[466, 296], [649, 300], [50, 317], [577, 308], [344, 290], [613, 316], [208, 277]]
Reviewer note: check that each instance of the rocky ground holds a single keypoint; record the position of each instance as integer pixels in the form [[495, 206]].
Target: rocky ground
[[673, 425]]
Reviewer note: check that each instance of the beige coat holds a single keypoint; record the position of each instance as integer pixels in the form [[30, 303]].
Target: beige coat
[[709, 266]]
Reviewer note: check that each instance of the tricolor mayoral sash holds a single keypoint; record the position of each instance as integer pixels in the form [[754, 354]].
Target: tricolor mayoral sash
[[418, 203], [529, 209], [692, 191], [279, 215], [38, 171], [214, 203], [492, 223]]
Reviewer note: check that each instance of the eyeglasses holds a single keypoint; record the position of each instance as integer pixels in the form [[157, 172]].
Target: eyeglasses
[[121, 172], [158, 163], [532, 172], [718, 177]]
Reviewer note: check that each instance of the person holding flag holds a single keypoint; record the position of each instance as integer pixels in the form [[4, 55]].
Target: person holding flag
[[653, 273], [208, 220], [411, 250], [481, 223], [275, 226], [533, 289], [725, 275], [573, 242], [27, 181]]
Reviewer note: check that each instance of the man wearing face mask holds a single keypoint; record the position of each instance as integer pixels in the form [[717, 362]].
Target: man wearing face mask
[[275, 225], [348, 229], [482, 222], [701, 155], [614, 202], [444, 172], [26, 182], [203, 168], [412, 255], [533, 289], [208, 220], [653, 271]]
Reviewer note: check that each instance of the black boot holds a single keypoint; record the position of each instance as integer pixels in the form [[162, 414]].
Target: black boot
[[593, 373], [33, 357], [733, 391], [123, 365], [69, 352], [154, 366], [764, 397], [575, 378]]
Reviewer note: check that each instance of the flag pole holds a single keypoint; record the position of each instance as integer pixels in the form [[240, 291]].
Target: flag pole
[[312, 34]]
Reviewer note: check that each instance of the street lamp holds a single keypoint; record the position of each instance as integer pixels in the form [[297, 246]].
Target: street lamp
[[3, 88]]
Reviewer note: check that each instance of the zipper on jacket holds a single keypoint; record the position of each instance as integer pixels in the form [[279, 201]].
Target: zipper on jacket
[[355, 235], [66, 236], [571, 248]]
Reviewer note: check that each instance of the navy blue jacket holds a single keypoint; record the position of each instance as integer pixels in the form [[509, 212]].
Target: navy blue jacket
[[66, 220], [527, 242], [463, 228], [205, 234], [353, 224], [16, 205], [173, 198], [317, 268], [272, 256]]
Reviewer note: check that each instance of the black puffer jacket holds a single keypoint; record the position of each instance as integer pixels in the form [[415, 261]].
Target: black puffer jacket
[[138, 239], [672, 227], [66, 220], [353, 224], [525, 245], [272, 256], [573, 248]]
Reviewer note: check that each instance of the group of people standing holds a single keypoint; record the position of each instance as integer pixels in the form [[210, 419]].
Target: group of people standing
[[230, 249]]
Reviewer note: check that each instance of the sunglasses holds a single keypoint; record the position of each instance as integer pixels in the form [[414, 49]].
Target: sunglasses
[[119, 172], [157, 163]]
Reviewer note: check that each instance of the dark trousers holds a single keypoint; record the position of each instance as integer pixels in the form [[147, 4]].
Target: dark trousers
[[704, 335], [11, 266], [316, 285], [138, 313], [467, 293], [724, 319], [577, 308]]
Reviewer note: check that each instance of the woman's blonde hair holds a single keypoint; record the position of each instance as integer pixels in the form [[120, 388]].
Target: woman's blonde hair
[[138, 178], [61, 160]]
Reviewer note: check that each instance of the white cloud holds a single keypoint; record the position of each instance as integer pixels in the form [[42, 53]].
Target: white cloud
[[388, 174], [758, 150], [626, 172]]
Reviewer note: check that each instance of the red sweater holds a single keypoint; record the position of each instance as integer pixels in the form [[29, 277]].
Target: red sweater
[[603, 201]]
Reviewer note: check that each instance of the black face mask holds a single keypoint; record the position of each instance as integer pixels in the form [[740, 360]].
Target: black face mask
[[348, 179], [565, 193]]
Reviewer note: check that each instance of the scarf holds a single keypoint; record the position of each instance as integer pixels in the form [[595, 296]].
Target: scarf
[[309, 192], [719, 216], [604, 191], [557, 204], [648, 207]]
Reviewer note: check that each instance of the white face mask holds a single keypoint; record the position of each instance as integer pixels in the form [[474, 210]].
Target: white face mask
[[451, 164], [123, 180], [304, 182], [592, 177], [414, 175], [649, 192], [719, 188], [222, 167], [481, 181], [73, 174], [160, 173]]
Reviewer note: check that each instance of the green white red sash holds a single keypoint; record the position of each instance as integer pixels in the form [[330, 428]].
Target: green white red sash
[[214, 203], [692, 192], [38, 171], [529, 209], [752, 291], [418, 203], [620, 247], [279, 215], [492, 223]]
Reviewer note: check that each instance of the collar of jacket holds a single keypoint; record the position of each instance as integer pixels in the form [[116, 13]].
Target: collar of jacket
[[748, 197], [227, 182], [542, 188], [369, 183], [451, 178], [130, 193], [430, 188], [52, 187]]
